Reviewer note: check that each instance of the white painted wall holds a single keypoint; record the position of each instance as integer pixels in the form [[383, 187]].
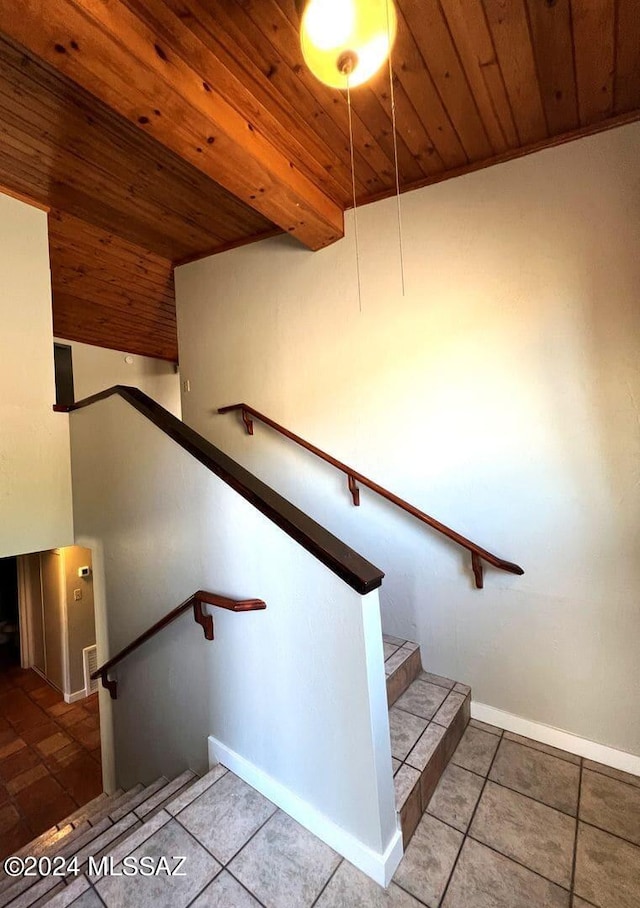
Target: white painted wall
[[500, 394], [35, 481], [96, 368], [297, 691]]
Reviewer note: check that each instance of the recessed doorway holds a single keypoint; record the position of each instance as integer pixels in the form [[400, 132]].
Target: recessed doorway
[[9, 619]]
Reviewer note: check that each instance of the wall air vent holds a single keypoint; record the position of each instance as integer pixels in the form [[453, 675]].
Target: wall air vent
[[90, 664]]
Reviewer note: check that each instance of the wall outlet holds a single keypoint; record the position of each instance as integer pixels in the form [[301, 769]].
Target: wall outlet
[[77, 595], [186, 385]]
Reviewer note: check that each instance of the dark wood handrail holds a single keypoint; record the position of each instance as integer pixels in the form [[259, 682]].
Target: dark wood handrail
[[347, 564], [205, 621], [478, 554]]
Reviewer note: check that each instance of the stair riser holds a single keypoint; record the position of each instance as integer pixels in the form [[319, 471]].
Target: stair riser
[[418, 801], [403, 677]]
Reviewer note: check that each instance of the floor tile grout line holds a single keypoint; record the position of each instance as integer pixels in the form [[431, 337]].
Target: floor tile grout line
[[539, 750], [400, 664], [530, 797], [212, 881], [510, 857], [468, 835], [208, 788], [446, 822], [475, 810], [200, 892], [449, 690], [246, 888], [45, 760], [23, 817], [97, 894], [331, 876], [417, 715], [612, 778], [613, 835], [396, 646], [586, 901], [413, 895], [225, 864], [575, 839], [446, 727]]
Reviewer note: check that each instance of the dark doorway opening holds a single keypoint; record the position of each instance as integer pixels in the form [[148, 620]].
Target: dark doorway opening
[[9, 621], [63, 361]]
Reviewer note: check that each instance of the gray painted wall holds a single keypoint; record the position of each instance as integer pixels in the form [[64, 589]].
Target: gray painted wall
[[501, 395]]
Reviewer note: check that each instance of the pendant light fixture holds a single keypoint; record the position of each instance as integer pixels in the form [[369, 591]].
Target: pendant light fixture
[[345, 42]]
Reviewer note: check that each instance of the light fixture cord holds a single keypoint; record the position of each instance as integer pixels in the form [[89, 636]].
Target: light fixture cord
[[395, 151], [353, 188]]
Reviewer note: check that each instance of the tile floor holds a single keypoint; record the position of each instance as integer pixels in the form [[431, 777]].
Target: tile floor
[[512, 824], [49, 756], [516, 824]]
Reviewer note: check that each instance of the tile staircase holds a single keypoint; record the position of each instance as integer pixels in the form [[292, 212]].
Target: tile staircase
[[94, 829], [428, 716]]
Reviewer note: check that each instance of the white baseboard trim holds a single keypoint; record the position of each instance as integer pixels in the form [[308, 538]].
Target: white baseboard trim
[[74, 697], [556, 737], [380, 867]]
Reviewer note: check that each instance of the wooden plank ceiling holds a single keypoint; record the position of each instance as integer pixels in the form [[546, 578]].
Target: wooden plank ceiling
[[187, 126], [110, 292]]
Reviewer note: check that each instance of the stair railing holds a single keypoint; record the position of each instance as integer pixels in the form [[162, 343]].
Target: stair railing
[[204, 620], [356, 571], [478, 554]]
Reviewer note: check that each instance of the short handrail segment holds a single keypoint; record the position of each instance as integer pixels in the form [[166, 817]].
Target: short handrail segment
[[478, 554], [200, 617]]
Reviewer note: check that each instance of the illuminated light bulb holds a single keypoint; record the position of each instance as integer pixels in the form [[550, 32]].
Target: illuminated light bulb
[[345, 42]]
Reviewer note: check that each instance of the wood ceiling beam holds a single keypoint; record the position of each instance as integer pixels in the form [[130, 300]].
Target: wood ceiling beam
[[103, 46]]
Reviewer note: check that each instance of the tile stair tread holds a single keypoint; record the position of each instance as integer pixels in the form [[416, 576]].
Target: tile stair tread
[[39, 845], [110, 843], [99, 827], [107, 838], [43, 846], [68, 846], [84, 812], [41, 892], [165, 795], [109, 808], [82, 840], [102, 836], [53, 839], [92, 837], [78, 838], [142, 796], [189, 793], [133, 839]]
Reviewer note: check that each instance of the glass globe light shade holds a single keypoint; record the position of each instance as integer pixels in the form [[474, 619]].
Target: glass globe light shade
[[345, 42]]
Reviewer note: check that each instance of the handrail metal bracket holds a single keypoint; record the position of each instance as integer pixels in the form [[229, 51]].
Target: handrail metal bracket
[[246, 419], [478, 570], [205, 621], [355, 491], [111, 686]]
